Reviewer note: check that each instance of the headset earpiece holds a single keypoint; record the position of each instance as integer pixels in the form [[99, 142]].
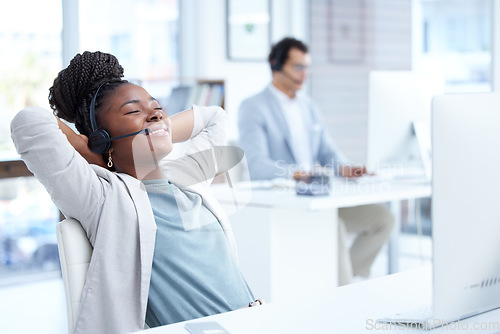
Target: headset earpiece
[[99, 141], [276, 66], [277, 61]]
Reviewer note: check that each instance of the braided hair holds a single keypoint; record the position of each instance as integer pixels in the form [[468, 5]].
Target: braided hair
[[73, 88]]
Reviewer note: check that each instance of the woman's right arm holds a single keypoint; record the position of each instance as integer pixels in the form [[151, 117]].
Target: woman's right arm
[[72, 183], [81, 144], [205, 127]]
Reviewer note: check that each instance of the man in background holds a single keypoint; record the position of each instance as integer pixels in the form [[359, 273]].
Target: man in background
[[283, 136]]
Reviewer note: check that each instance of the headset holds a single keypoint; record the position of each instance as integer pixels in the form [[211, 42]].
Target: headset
[[99, 139], [278, 64]]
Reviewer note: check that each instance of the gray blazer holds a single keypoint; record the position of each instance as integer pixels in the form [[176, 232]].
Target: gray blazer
[[265, 137], [115, 212]]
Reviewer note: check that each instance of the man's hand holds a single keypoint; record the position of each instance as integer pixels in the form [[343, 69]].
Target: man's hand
[[353, 171], [301, 176]]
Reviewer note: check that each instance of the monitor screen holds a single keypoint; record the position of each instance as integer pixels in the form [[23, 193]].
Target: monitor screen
[[398, 118]]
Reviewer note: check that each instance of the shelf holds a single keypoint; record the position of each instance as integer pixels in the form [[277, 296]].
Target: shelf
[[203, 92]]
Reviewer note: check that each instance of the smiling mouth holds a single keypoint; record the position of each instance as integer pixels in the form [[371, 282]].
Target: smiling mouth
[[157, 131]]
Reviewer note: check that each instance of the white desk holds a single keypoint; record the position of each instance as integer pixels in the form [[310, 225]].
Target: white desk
[[288, 244], [349, 309]]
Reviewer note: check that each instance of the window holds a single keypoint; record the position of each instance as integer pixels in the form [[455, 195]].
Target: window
[[30, 58], [142, 34], [457, 43]]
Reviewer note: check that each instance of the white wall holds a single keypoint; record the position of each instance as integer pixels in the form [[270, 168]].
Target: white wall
[[203, 45], [203, 53], [496, 46], [340, 85], [203, 48]]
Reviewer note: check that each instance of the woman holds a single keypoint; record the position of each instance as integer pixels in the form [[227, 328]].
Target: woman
[[162, 252]]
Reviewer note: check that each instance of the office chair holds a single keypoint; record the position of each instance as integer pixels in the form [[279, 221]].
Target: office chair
[[75, 252]]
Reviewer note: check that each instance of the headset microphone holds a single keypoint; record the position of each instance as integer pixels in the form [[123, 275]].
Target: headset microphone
[[290, 77], [100, 141], [278, 63]]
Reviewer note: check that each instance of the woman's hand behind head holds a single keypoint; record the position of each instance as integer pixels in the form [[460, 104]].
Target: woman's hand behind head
[[80, 144], [87, 154]]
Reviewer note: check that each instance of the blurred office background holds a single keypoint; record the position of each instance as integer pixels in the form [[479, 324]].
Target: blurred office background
[[168, 44]]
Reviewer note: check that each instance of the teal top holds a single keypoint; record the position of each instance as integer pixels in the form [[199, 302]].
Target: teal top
[[194, 273]]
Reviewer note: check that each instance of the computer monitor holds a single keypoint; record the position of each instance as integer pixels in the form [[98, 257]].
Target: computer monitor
[[398, 119], [465, 204], [465, 210]]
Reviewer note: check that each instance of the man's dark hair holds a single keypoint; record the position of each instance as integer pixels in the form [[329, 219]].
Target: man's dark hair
[[279, 52]]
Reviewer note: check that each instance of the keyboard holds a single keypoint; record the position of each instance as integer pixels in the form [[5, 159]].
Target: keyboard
[[417, 316], [374, 179]]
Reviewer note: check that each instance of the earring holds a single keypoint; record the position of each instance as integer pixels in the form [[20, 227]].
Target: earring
[[110, 160]]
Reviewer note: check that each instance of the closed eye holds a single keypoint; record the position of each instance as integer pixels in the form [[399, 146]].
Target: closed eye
[[132, 112]]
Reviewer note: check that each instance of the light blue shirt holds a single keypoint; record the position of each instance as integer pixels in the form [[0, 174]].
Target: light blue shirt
[[194, 273]]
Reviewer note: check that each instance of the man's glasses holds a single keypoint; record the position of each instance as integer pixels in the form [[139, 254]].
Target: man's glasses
[[299, 68]]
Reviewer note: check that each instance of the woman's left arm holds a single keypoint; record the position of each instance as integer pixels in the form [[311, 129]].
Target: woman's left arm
[[202, 159], [206, 126], [182, 126]]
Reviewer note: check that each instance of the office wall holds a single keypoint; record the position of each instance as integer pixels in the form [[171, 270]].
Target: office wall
[[339, 81], [203, 48], [340, 88]]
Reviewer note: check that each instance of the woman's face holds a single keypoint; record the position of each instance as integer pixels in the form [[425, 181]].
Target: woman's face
[[129, 109]]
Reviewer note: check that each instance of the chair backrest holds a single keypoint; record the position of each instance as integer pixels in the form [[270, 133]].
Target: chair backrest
[[75, 252]]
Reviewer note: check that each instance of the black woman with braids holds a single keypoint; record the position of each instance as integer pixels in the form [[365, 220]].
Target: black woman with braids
[[163, 248]]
